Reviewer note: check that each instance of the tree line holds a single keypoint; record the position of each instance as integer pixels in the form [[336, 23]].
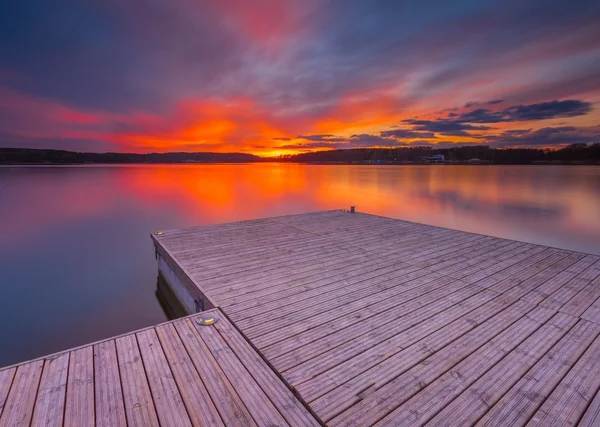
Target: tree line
[[575, 153], [572, 154]]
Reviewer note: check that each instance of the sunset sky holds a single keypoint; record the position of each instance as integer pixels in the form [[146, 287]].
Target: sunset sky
[[273, 77]]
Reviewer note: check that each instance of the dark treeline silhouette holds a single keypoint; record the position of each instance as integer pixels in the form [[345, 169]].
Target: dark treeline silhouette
[[32, 156], [572, 154], [576, 153]]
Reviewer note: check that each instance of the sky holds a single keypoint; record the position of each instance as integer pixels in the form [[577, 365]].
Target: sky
[[273, 77]]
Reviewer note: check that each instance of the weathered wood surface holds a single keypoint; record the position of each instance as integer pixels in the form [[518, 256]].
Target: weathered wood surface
[[380, 321], [175, 374], [370, 320]]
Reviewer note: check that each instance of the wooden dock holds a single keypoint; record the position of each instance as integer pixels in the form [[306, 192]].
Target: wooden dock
[[175, 374], [377, 321], [340, 318]]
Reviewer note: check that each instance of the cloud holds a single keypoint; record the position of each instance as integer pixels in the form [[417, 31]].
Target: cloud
[[475, 104], [329, 141], [455, 124], [322, 138], [544, 137], [405, 133], [451, 127], [521, 113], [366, 140]]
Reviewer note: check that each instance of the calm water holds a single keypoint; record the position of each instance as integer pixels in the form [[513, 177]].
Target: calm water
[[77, 263]]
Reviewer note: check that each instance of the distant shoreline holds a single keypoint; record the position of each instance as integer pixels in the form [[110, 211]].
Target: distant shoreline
[[575, 154], [7, 165]]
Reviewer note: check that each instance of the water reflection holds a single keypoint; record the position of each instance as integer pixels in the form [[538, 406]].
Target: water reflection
[[77, 263], [493, 208]]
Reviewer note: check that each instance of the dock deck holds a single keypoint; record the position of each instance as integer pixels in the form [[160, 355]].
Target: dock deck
[[377, 321], [340, 318], [175, 374]]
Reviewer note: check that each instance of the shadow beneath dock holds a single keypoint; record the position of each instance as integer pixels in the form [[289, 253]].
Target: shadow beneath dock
[[167, 299]]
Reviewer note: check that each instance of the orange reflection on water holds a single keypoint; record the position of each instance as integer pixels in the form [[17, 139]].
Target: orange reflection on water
[[215, 193], [547, 205], [557, 206]]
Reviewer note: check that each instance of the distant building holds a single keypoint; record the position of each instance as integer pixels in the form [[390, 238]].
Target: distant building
[[436, 158], [474, 161]]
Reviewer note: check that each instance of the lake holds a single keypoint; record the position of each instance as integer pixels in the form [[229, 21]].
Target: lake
[[77, 263]]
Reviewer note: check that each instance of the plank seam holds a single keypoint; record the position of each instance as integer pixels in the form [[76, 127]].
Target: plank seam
[[587, 407], [160, 343], [139, 349], [193, 365], [277, 373], [12, 381], [533, 365], [66, 386], [120, 381], [547, 396]]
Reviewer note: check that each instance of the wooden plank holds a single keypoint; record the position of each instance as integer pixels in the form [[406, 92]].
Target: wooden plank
[[110, 406], [265, 239], [345, 275], [272, 289], [520, 403], [297, 324], [139, 406], [343, 386], [506, 267], [369, 276], [592, 313], [272, 233], [279, 264], [50, 401], [229, 405], [542, 292], [262, 409], [389, 394], [264, 278], [560, 297], [568, 402], [18, 408], [267, 291], [165, 394], [79, 405], [591, 418], [212, 265], [196, 398], [527, 284], [528, 273], [239, 285], [433, 317], [6, 380], [420, 396], [566, 292], [287, 404], [340, 332], [517, 269], [577, 305], [361, 318], [466, 394], [367, 291]]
